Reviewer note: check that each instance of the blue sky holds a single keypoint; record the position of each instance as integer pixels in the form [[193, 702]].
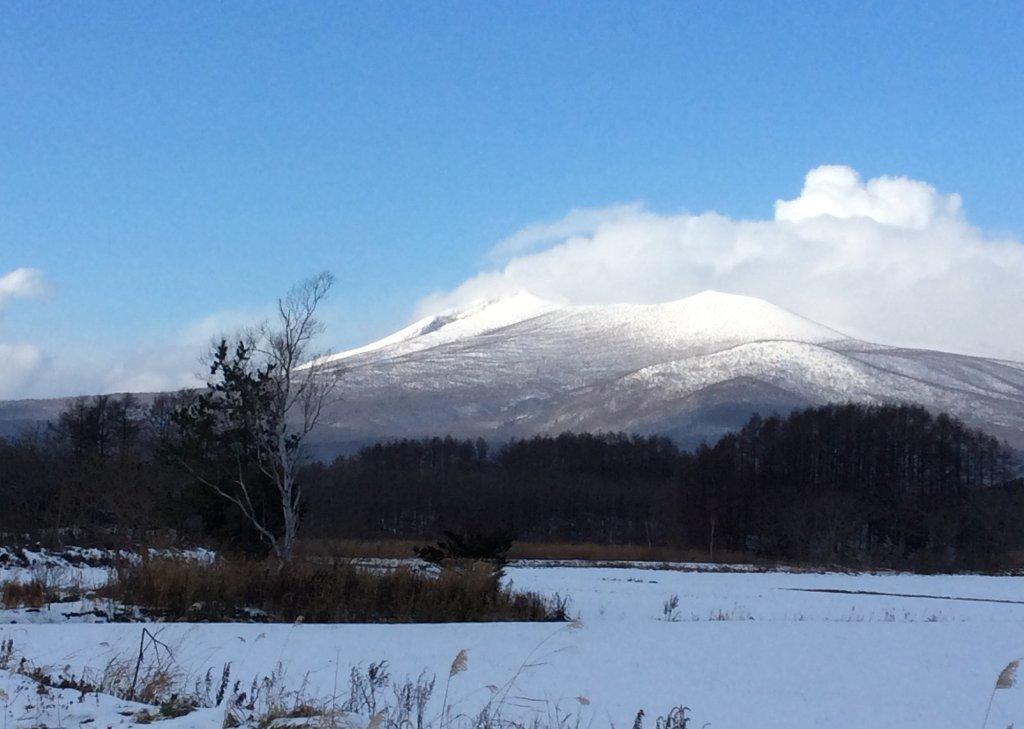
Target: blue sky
[[165, 162]]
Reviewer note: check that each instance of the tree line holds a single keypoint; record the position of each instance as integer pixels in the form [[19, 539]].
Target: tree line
[[849, 484], [845, 484]]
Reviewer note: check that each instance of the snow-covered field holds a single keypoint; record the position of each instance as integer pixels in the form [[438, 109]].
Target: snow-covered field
[[742, 649]]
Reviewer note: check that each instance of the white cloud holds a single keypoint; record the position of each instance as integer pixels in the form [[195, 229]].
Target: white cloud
[[838, 192], [889, 259], [22, 283], [20, 365]]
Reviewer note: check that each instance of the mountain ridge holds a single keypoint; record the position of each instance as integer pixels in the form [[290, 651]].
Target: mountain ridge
[[530, 307]]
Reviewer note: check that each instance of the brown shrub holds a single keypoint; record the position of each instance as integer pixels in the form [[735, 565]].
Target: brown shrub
[[228, 590], [33, 593]]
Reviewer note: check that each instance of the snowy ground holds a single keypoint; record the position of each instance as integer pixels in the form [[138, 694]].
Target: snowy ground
[[741, 649]]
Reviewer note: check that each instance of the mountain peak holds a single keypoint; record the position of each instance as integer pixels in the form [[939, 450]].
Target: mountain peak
[[714, 318], [713, 297], [712, 294]]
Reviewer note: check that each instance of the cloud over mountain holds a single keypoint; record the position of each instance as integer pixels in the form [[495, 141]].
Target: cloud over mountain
[[889, 259]]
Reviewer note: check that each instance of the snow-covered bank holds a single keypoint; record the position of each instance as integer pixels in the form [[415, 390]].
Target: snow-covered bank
[[82, 566], [742, 650]]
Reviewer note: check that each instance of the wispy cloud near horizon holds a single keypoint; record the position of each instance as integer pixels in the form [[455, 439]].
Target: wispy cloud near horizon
[[20, 362], [577, 222], [30, 370]]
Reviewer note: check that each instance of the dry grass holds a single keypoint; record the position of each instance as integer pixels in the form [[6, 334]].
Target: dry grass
[[589, 551], [150, 677], [34, 593], [378, 701], [38, 587], [373, 698], [228, 590], [43, 587]]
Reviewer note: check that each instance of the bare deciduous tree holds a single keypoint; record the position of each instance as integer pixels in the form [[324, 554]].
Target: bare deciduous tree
[[300, 387], [246, 432]]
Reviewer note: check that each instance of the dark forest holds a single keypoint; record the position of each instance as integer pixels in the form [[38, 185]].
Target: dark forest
[[854, 485]]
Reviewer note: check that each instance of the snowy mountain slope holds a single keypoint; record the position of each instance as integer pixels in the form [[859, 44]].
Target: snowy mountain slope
[[692, 368], [801, 374]]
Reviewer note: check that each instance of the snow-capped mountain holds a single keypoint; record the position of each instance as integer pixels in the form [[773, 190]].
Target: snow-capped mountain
[[692, 368]]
